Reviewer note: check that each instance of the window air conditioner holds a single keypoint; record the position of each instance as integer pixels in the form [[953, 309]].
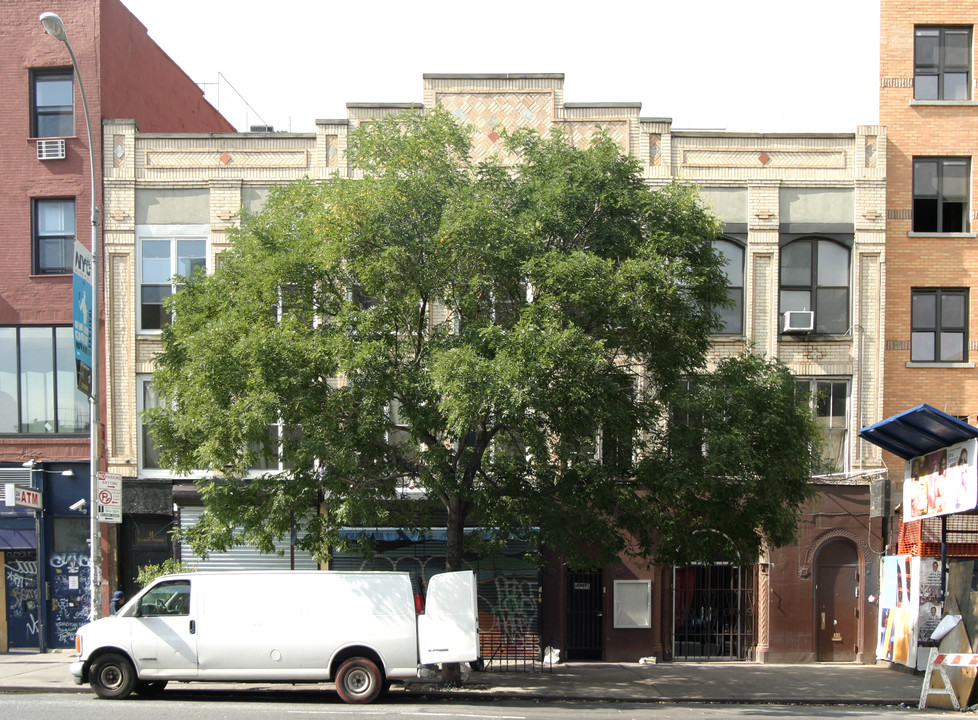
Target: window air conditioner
[[798, 321], [51, 149]]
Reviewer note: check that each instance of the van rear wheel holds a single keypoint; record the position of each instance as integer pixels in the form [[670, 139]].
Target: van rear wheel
[[358, 681], [112, 676]]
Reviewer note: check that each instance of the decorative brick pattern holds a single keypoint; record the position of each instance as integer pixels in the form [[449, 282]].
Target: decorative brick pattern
[[492, 113], [870, 151], [903, 82], [168, 158], [655, 149], [581, 132], [753, 158]]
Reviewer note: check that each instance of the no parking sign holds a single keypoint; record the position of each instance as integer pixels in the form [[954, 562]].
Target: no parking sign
[[108, 501]]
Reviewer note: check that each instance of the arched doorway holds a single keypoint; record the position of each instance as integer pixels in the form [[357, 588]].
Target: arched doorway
[[836, 601]]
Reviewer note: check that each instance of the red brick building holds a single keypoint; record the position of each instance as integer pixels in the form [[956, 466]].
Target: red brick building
[[45, 205], [927, 100]]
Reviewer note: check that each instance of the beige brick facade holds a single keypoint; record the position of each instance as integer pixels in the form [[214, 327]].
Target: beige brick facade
[[765, 188], [753, 170]]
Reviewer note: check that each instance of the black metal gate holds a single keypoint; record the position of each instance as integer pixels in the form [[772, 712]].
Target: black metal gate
[[714, 613], [584, 616]]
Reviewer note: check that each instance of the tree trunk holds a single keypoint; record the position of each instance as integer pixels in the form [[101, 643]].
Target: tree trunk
[[451, 673], [454, 531]]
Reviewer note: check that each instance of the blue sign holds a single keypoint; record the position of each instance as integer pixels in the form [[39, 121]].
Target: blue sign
[[82, 296]]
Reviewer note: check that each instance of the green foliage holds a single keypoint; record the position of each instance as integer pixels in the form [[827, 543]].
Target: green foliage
[[475, 332], [148, 573]]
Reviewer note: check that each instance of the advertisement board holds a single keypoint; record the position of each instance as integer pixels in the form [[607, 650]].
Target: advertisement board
[[899, 601], [81, 292], [941, 482]]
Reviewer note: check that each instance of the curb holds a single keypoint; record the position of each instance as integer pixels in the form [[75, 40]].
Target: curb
[[492, 695]]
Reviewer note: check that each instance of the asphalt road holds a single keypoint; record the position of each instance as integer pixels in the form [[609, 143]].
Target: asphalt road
[[205, 705]]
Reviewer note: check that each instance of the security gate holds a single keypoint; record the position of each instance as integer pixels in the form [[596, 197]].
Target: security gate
[[584, 616], [714, 612]]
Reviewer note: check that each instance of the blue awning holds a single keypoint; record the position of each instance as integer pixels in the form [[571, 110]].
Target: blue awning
[[17, 539], [918, 431]]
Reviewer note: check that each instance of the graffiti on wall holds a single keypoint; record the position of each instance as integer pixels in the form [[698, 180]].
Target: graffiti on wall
[[69, 596], [20, 579], [507, 591], [515, 609]]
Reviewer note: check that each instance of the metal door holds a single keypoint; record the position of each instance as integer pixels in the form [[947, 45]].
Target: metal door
[[585, 616], [20, 582], [67, 591], [836, 608]]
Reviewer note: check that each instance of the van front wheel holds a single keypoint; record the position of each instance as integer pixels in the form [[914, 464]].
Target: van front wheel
[[358, 681], [112, 676]]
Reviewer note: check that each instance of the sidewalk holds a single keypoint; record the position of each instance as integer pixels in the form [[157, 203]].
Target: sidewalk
[[816, 684]]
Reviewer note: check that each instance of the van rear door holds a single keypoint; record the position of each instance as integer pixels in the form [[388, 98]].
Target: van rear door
[[449, 629]]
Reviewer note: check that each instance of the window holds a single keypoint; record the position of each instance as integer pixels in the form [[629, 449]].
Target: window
[[939, 325], [940, 194], [52, 104], [732, 317], [686, 438], [815, 277], [167, 598], [165, 253], [942, 63], [54, 236], [830, 399], [38, 392], [149, 452]]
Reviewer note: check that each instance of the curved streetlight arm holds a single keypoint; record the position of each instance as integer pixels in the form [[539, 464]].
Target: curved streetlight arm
[[55, 27]]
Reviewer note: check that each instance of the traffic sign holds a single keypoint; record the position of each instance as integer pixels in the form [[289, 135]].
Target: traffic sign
[[108, 500]]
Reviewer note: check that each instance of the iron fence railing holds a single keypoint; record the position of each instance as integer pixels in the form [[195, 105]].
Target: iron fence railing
[[508, 653]]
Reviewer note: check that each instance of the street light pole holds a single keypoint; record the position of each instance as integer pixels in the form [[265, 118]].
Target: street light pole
[[56, 29]]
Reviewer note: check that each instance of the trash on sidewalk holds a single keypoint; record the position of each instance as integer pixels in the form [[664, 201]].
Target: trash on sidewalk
[[648, 660]]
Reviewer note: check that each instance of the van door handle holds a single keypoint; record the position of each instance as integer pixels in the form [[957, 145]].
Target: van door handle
[[193, 627]]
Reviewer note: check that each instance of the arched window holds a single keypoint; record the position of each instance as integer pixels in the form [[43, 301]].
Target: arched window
[[732, 317], [815, 277]]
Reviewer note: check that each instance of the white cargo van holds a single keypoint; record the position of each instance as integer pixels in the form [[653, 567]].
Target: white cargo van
[[359, 629]]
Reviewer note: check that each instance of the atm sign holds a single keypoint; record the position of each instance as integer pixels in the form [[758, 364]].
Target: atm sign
[[24, 497]]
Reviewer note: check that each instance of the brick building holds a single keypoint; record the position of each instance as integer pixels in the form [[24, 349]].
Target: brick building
[[45, 205], [803, 231], [927, 101]]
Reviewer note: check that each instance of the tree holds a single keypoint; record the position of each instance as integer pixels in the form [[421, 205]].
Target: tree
[[523, 344]]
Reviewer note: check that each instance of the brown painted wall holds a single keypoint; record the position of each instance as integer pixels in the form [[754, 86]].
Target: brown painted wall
[[839, 512], [618, 645]]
